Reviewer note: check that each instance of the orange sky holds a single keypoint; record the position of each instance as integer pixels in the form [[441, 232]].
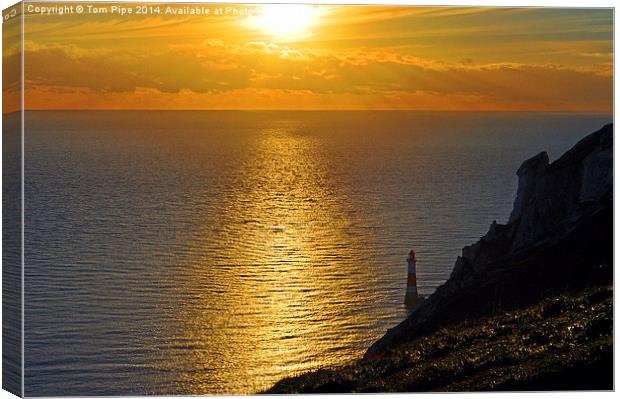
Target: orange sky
[[320, 57]]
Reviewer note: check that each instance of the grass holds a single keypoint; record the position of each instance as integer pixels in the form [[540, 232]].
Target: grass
[[562, 342]]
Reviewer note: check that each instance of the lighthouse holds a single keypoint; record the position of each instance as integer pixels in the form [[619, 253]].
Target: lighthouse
[[412, 299]]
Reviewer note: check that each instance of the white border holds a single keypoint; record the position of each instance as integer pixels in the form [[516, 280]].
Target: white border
[[506, 3]]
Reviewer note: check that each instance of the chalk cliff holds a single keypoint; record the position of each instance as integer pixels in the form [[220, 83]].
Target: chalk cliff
[[559, 237]]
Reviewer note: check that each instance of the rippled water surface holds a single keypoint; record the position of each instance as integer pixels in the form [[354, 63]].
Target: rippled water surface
[[217, 252]]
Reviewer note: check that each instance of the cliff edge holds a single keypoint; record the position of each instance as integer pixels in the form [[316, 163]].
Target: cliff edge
[[559, 237], [496, 319]]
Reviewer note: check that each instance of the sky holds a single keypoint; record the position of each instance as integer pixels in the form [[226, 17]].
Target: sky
[[321, 57]]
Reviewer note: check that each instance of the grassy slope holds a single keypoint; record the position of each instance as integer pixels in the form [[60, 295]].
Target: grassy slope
[[562, 342]]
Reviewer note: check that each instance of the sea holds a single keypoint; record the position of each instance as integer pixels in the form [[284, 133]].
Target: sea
[[217, 252]]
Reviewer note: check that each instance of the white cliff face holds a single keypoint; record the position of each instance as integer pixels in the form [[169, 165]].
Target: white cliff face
[[551, 196], [597, 175], [528, 174], [560, 234]]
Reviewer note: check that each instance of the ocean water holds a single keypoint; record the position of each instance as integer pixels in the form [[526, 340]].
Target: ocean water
[[217, 252]]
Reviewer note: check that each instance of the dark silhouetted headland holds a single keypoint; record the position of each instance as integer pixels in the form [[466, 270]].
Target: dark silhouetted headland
[[527, 307]]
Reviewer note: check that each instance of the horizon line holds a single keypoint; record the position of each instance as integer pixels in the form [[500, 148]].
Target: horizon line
[[611, 112]]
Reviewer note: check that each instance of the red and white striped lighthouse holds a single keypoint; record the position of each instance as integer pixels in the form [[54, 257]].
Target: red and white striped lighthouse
[[411, 297]]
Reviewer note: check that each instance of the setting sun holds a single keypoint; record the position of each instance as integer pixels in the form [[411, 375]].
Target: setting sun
[[284, 21]]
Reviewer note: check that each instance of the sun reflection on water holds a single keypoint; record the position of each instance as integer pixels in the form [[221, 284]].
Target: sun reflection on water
[[280, 289]]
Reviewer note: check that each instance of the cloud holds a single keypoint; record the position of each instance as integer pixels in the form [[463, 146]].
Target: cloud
[[215, 67]]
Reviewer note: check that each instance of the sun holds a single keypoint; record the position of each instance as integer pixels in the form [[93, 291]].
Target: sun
[[285, 21]]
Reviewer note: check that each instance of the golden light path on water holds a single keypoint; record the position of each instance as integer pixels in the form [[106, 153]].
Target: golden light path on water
[[284, 303]]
